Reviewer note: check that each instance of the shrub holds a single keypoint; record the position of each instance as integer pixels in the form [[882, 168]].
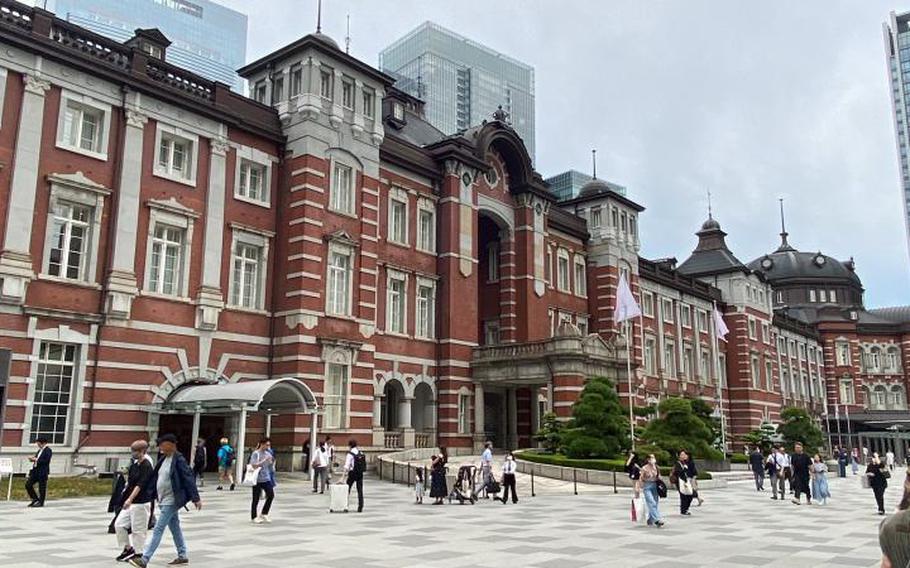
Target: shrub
[[679, 427], [550, 433], [599, 427], [798, 426]]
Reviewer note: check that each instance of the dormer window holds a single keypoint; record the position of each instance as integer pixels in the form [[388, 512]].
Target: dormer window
[[398, 111], [153, 51]]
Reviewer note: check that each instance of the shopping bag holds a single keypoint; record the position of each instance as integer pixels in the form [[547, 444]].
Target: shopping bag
[[637, 509], [685, 487], [864, 479], [251, 477]]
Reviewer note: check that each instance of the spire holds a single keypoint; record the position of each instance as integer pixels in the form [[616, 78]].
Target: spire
[[710, 216], [347, 38], [594, 161], [784, 245], [318, 16]]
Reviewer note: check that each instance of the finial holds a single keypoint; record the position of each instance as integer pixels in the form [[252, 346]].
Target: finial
[[318, 16], [501, 115], [594, 161], [347, 38], [784, 245], [710, 216]]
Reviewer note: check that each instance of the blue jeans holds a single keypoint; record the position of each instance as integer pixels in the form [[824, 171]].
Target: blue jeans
[[651, 498], [168, 517]]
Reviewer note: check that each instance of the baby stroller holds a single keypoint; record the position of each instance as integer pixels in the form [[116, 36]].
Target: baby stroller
[[463, 488]]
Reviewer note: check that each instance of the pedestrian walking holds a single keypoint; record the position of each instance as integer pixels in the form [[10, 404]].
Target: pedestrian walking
[[757, 463], [854, 461], [355, 465], [200, 461], [173, 487], [333, 463], [841, 455], [801, 466], [889, 459], [226, 457], [39, 473], [894, 540], [439, 490], [820, 480], [263, 463], [320, 465], [131, 524], [782, 464], [508, 479], [683, 477], [306, 454], [419, 486], [878, 481], [486, 470], [647, 485]]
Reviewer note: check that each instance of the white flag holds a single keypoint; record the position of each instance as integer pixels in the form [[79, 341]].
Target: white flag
[[626, 306], [720, 328]]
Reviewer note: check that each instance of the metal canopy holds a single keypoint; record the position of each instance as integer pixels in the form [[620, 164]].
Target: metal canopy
[[273, 395]]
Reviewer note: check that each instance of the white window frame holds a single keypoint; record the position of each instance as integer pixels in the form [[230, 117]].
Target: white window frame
[[172, 214], [832, 296], [596, 217], [295, 82], [71, 417], [336, 247], [3, 75], [247, 156], [668, 314], [685, 315], [755, 371], [492, 333], [368, 102], [464, 413], [336, 204], [753, 328], [401, 277], [330, 420], [258, 91], [670, 358], [395, 233], [812, 296], [563, 284], [426, 239], [81, 103], [326, 89], [842, 353], [84, 192], [647, 304], [175, 134], [493, 261], [769, 375], [688, 361], [425, 309], [650, 355], [347, 82], [256, 239], [581, 284], [704, 365]]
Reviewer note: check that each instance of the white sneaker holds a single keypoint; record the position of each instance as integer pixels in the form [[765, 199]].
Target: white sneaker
[[265, 518], [258, 521]]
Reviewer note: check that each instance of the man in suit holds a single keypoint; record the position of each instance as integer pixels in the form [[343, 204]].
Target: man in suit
[[757, 461], [41, 470]]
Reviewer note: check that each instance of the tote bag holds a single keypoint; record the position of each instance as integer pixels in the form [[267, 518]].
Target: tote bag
[[637, 510], [685, 487], [251, 477]]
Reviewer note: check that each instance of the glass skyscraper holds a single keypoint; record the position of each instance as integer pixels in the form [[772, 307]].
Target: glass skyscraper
[[567, 184], [461, 81], [897, 51], [206, 38]]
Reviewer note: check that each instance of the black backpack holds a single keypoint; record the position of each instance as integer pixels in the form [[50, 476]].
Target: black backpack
[[229, 458], [360, 463]]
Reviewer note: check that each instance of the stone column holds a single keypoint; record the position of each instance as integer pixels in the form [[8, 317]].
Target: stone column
[[122, 282], [404, 422], [535, 414], [479, 425], [210, 299], [378, 430], [512, 418], [15, 259]]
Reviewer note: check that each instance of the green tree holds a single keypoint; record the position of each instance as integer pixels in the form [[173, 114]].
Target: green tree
[[599, 427], [764, 436], [679, 427], [550, 433], [705, 412], [798, 426]]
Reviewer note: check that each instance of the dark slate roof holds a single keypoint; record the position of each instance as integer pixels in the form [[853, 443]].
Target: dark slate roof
[[795, 265], [711, 256], [418, 131], [896, 314]]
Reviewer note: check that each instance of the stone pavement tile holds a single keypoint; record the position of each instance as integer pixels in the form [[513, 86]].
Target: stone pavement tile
[[848, 560], [746, 560]]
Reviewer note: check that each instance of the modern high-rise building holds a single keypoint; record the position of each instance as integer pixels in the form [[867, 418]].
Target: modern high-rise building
[[461, 81], [897, 51], [206, 38], [567, 185]]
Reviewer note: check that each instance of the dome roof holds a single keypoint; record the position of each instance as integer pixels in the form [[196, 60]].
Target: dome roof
[[710, 224], [787, 263], [594, 187], [325, 39]]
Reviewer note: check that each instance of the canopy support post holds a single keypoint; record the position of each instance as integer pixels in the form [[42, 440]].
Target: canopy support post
[[241, 441]]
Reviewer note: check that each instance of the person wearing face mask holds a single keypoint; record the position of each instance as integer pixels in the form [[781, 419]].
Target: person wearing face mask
[[134, 512], [647, 485], [508, 479]]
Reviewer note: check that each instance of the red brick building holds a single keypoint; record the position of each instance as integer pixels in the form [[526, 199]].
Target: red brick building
[[319, 259]]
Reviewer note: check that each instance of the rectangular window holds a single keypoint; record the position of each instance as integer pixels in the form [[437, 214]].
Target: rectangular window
[[842, 349], [464, 413], [650, 355], [396, 303], [785, 382], [336, 379], [347, 93], [780, 297], [702, 321], [633, 230], [398, 220], [769, 376], [258, 94], [166, 272], [766, 333], [667, 308], [753, 329], [688, 362], [57, 367], [342, 198], [722, 370], [756, 373], [368, 104], [670, 359], [832, 296], [326, 83], [596, 218], [581, 323], [426, 229], [247, 285], [426, 309], [70, 240], [581, 278], [812, 295], [493, 262], [685, 315], [705, 366], [252, 182], [822, 296], [338, 287], [83, 127], [278, 89], [562, 271], [296, 79], [175, 156], [647, 304], [491, 332]]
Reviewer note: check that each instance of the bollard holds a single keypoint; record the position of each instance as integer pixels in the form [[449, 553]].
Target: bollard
[[380, 469], [532, 483], [575, 479], [409, 472], [614, 483]]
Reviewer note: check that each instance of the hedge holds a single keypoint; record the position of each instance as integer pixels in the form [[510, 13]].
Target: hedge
[[595, 464], [739, 458]]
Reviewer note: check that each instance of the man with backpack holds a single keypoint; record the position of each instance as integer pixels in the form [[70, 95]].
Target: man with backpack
[[226, 458], [355, 465]]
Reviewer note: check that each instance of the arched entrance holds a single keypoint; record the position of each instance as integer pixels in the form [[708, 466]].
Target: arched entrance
[[393, 413], [423, 415]]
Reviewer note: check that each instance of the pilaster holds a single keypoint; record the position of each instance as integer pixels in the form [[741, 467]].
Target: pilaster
[[210, 300]]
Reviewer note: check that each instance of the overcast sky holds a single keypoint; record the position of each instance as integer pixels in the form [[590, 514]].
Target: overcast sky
[[753, 100]]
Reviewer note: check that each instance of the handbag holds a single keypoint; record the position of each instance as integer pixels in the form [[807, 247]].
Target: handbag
[[685, 487], [661, 488], [864, 480], [251, 477], [637, 509]]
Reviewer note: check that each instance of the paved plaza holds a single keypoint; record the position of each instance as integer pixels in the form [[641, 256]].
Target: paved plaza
[[736, 527]]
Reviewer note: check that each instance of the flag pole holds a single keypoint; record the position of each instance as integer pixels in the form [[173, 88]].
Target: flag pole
[[720, 382], [629, 377]]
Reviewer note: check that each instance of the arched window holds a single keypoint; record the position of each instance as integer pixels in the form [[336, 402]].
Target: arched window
[[898, 400], [892, 360], [879, 398], [874, 360]]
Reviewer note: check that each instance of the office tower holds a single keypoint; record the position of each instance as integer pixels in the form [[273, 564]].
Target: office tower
[[897, 52], [568, 184], [206, 38], [462, 81]]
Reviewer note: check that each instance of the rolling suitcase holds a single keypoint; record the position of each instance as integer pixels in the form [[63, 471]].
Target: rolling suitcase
[[338, 498]]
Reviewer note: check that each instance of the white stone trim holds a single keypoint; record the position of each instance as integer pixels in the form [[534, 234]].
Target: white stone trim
[[173, 214], [255, 238], [176, 132], [259, 158], [104, 131]]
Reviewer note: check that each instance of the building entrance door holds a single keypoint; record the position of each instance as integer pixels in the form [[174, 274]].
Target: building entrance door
[[211, 428], [493, 412]]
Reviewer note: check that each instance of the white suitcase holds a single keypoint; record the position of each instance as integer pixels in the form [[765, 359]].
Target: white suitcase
[[338, 498]]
